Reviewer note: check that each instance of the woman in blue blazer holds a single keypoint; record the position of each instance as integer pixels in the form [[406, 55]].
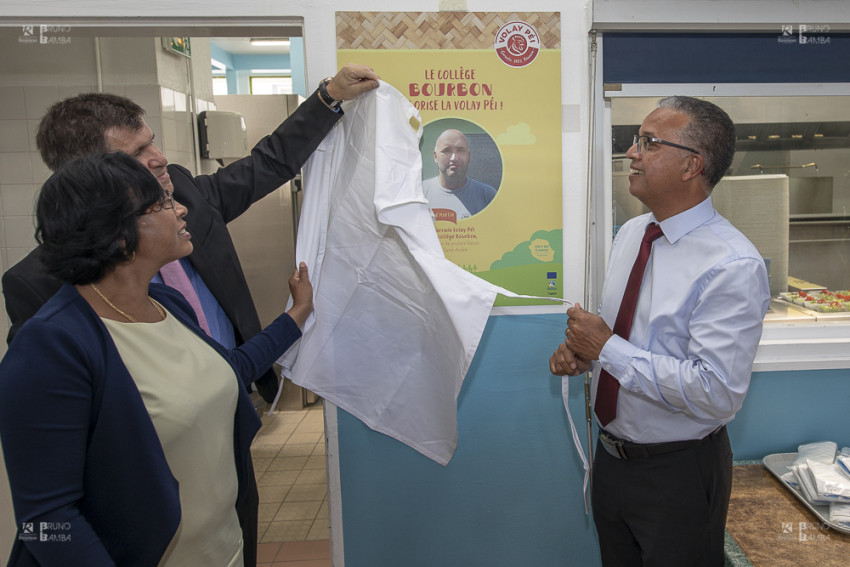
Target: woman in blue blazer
[[115, 454]]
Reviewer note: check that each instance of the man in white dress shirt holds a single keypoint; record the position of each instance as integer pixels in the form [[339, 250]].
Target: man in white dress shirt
[[663, 467]]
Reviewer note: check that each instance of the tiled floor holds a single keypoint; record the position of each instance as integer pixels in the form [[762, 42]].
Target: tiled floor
[[294, 554], [290, 465]]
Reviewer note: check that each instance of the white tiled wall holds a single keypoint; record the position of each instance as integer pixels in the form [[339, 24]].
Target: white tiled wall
[[21, 173], [33, 80]]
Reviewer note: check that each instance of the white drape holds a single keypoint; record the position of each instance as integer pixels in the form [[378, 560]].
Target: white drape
[[395, 324]]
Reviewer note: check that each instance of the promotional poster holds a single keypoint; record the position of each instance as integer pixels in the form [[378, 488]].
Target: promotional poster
[[487, 86]]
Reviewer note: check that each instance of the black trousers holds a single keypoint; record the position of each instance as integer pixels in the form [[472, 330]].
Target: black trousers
[[248, 510], [665, 510]]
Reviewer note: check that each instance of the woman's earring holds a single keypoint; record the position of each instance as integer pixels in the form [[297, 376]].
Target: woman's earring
[[132, 257]]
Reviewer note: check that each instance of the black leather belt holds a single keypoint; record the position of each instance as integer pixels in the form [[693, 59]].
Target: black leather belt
[[622, 449]]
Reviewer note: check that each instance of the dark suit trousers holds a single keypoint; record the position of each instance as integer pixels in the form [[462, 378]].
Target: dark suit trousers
[[665, 510], [247, 510]]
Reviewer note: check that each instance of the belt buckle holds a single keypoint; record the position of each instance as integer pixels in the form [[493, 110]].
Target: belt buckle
[[613, 446]]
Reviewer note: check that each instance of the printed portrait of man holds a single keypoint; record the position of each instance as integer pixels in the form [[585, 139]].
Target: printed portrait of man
[[455, 187]]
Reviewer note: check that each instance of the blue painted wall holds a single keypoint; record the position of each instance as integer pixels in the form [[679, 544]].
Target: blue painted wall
[[237, 65], [511, 496], [786, 409], [297, 64]]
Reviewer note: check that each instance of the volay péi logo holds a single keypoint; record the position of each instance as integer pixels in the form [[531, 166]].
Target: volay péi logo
[[517, 44]]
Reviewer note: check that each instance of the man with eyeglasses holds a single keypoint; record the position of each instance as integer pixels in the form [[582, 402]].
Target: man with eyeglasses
[[673, 347], [211, 278]]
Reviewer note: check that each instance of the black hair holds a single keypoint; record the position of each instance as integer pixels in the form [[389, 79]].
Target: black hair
[[710, 131], [77, 126], [87, 215]]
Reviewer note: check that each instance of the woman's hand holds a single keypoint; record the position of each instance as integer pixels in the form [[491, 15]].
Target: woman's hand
[[302, 295]]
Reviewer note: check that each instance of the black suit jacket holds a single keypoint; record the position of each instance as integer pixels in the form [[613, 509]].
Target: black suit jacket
[[212, 201]]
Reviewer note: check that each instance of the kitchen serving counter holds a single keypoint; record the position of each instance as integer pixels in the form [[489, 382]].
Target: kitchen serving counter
[[768, 526]]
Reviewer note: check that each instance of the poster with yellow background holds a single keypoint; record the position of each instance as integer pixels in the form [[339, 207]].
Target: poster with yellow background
[[487, 86]]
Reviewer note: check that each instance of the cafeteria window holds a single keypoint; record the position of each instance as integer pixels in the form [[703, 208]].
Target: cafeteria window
[[265, 85]]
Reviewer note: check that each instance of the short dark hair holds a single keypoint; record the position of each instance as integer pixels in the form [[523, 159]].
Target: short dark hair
[[710, 131], [87, 215], [77, 126]]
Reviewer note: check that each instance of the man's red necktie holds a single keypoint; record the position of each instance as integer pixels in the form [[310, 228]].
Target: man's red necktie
[[608, 387]]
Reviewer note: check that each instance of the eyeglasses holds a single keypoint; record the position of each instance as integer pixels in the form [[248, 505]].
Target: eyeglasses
[[642, 143], [168, 202]]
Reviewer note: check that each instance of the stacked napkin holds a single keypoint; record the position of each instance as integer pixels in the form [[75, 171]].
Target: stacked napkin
[[824, 478]]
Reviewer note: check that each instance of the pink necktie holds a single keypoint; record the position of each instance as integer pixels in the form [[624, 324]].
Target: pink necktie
[[173, 275], [608, 387]]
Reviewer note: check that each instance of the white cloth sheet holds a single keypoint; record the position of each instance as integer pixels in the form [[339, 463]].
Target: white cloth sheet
[[820, 451], [839, 513], [829, 482], [396, 324], [843, 460], [809, 455]]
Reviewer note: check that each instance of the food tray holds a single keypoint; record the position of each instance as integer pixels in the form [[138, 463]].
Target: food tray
[[836, 296], [777, 464], [811, 312]]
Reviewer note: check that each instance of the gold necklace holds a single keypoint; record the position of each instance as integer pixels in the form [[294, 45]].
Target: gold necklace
[[159, 309]]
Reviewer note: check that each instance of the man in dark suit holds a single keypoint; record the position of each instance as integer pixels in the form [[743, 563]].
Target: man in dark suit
[[103, 122], [212, 273]]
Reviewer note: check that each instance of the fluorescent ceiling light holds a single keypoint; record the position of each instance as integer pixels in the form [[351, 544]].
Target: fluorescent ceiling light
[[270, 42], [275, 71]]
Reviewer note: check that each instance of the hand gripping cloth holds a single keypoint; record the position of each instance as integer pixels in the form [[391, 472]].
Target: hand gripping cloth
[[395, 324]]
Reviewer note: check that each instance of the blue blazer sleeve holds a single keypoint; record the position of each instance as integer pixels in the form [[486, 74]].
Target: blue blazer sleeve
[[46, 449]]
